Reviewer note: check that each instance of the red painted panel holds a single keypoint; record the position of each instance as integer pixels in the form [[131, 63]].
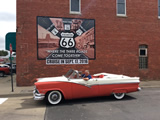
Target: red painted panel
[[105, 90], [73, 90], [64, 87], [81, 91], [5, 70]]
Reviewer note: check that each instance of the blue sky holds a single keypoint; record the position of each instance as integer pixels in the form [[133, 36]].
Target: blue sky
[[7, 19]]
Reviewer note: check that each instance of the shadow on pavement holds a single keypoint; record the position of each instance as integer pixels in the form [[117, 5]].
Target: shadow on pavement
[[29, 103], [92, 100]]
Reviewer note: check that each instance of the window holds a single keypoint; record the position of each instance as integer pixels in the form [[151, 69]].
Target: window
[[143, 57], [121, 7], [75, 6], [158, 8]]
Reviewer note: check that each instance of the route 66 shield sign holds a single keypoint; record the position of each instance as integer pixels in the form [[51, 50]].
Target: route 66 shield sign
[[67, 42]]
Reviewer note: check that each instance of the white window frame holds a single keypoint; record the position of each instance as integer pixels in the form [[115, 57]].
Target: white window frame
[[123, 15], [74, 12], [145, 52], [158, 9]]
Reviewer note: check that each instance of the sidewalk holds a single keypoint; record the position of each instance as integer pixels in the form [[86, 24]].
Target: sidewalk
[[20, 104], [6, 90], [150, 84]]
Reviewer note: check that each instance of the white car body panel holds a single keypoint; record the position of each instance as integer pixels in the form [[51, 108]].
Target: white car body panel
[[107, 79]]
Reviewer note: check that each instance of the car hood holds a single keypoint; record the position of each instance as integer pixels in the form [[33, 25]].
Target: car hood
[[52, 79]]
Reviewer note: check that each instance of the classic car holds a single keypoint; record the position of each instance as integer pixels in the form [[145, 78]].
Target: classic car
[[72, 86], [13, 67], [4, 70]]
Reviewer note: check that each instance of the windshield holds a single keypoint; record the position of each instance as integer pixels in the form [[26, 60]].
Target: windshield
[[73, 74], [69, 73]]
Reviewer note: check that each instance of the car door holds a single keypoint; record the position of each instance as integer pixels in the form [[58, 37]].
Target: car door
[[105, 88], [82, 88]]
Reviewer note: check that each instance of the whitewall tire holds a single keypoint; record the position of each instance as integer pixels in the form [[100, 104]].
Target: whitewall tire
[[119, 95], [54, 97]]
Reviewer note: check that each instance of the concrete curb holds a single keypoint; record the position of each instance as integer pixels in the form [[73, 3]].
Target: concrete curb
[[16, 95], [150, 86]]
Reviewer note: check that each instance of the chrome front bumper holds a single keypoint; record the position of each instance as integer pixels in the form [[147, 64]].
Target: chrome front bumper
[[38, 96], [139, 89]]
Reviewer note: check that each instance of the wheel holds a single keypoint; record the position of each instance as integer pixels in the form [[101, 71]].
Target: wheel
[[2, 74], [54, 97], [119, 95]]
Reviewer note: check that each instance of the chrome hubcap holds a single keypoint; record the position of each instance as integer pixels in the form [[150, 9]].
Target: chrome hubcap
[[119, 94], [54, 97]]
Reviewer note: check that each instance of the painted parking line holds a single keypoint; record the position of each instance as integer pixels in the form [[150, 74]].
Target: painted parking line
[[2, 100]]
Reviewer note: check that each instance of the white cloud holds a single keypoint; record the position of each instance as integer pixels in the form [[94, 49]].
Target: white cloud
[[5, 16], [2, 43], [7, 19], [8, 5]]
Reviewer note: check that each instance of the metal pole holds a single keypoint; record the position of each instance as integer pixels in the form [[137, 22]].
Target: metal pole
[[11, 72]]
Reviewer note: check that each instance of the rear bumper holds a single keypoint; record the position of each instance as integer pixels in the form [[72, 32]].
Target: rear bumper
[[37, 96]]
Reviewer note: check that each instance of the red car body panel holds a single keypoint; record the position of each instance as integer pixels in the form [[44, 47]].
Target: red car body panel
[[6, 70], [63, 87], [73, 90]]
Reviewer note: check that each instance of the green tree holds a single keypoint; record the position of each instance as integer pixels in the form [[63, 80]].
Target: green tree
[[3, 53]]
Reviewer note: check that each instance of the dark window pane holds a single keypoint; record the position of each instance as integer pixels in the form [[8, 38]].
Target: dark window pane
[[121, 8], [143, 62], [158, 2], [143, 59], [121, 1], [75, 5], [143, 52]]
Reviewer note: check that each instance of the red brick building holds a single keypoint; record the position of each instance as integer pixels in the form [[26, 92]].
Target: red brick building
[[127, 37]]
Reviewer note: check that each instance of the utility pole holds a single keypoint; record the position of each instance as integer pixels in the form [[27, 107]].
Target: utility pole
[[11, 67]]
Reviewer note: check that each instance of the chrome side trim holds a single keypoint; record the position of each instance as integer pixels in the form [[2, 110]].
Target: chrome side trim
[[90, 85]]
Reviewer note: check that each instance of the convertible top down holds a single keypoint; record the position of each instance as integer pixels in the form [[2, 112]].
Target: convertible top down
[[72, 86]]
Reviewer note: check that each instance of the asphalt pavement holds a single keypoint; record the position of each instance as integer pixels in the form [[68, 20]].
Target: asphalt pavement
[[144, 105]]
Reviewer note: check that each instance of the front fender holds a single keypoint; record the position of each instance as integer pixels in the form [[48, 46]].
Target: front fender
[[63, 87]]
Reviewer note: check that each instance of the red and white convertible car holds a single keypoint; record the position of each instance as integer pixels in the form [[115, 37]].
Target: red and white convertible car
[[72, 86]]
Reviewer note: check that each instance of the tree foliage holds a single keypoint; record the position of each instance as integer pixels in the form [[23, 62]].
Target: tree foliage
[[3, 53]]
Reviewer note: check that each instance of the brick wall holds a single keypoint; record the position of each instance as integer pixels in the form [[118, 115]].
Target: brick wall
[[117, 38]]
